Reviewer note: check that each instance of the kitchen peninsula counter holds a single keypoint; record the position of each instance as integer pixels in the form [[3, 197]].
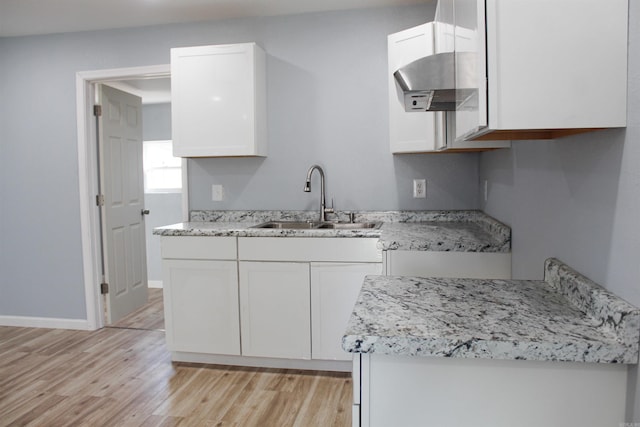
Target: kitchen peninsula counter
[[491, 353], [566, 317]]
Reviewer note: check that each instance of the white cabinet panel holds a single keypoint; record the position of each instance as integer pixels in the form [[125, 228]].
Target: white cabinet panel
[[201, 306], [473, 265], [471, 116], [453, 392], [334, 291], [275, 309], [218, 100]]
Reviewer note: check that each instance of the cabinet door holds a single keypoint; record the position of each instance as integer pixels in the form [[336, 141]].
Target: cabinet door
[[218, 101], [471, 59], [275, 309], [334, 291], [411, 132], [201, 306], [551, 63]]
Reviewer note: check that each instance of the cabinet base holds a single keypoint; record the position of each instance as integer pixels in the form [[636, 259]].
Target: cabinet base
[[262, 362]]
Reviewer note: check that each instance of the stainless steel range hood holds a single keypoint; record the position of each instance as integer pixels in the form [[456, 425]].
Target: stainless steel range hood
[[429, 83]]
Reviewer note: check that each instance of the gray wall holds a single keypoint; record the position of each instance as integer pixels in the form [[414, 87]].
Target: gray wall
[[156, 122], [577, 199], [327, 104], [165, 208]]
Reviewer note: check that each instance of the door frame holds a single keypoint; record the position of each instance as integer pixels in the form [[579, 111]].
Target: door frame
[[88, 178]]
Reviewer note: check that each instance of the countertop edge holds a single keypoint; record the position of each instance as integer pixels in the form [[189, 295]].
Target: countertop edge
[[603, 352]]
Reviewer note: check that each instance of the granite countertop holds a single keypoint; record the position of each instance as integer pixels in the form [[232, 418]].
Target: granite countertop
[[462, 231], [566, 317]]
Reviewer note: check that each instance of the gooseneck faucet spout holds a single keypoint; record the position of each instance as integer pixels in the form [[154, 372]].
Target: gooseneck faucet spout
[[307, 188]]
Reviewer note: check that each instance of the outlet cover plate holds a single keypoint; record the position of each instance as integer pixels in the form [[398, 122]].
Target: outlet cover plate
[[419, 188]]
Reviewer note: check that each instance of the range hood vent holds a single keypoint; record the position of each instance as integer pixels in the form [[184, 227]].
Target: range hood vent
[[429, 83]]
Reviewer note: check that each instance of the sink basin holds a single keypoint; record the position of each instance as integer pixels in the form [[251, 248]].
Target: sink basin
[[315, 225], [349, 225], [290, 225]]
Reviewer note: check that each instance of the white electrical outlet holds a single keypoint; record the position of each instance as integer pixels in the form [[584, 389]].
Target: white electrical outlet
[[217, 192], [419, 188]]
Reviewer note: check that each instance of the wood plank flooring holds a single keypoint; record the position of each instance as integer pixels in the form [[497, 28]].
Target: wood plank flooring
[[150, 316], [124, 377]]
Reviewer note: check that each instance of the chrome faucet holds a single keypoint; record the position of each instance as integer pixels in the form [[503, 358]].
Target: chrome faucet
[[307, 189]]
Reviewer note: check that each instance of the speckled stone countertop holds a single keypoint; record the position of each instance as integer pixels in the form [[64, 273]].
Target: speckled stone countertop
[[463, 231], [566, 317]]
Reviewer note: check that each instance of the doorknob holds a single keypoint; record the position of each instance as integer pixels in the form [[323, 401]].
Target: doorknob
[[144, 212]]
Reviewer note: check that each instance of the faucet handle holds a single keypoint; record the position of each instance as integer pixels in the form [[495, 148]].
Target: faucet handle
[[331, 209]]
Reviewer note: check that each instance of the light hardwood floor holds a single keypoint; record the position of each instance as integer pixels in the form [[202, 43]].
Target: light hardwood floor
[[124, 377], [149, 316]]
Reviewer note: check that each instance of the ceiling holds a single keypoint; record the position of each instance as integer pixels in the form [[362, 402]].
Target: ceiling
[[32, 17]]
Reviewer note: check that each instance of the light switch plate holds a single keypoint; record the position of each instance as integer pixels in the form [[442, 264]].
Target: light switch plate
[[217, 192]]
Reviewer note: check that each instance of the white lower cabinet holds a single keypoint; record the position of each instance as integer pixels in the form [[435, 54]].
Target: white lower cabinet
[[453, 392], [334, 290], [201, 306], [275, 309], [261, 301]]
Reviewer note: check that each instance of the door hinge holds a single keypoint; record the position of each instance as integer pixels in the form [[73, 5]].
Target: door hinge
[[100, 200], [104, 288], [97, 110]]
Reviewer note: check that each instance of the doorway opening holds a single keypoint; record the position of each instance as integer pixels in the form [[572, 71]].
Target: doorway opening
[[135, 80]]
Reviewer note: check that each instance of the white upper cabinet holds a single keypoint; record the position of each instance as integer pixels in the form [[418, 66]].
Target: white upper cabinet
[[419, 131], [545, 68], [218, 101], [412, 132]]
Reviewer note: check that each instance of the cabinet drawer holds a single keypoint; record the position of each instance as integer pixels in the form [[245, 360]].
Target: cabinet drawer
[[199, 247], [303, 249]]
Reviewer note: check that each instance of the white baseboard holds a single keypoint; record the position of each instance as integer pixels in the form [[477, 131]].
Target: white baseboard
[[44, 322], [154, 284]]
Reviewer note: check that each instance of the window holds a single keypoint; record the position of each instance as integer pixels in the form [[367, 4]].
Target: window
[[162, 171]]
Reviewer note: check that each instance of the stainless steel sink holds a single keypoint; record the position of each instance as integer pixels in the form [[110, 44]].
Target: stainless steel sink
[[315, 225], [290, 225], [349, 225]]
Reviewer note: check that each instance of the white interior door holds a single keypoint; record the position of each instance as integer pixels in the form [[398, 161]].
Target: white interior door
[[122, 184]]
